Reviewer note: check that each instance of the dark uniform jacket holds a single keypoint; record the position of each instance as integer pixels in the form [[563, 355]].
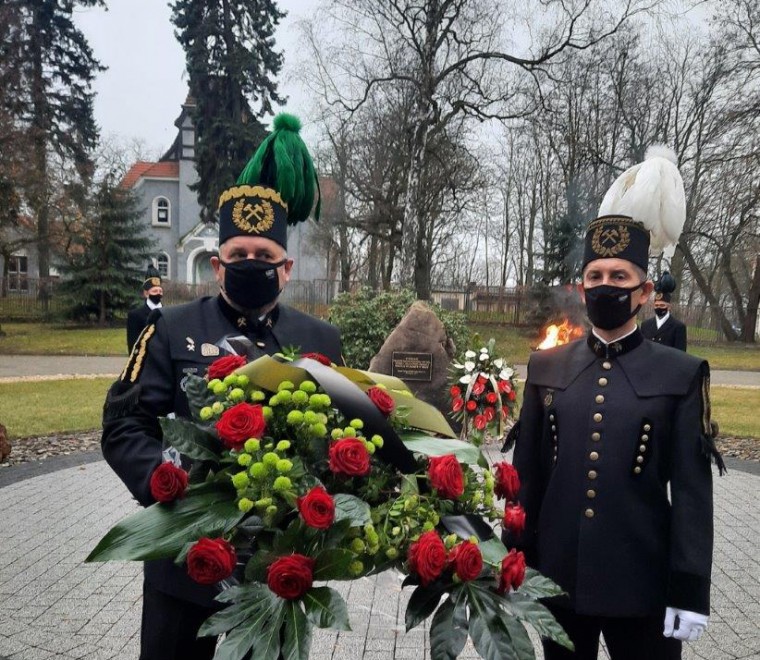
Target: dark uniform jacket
[[671, 333], [137, 319], [604, 429], [177, 342]]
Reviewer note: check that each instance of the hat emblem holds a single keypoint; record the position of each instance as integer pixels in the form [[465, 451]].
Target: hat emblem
[[609, 241], [253, 218]]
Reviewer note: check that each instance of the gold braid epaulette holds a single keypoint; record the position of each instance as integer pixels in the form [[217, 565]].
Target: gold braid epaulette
[[134, 364], [706, 412]]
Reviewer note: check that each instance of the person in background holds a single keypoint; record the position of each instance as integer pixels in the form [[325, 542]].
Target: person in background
[[152, 293], [664, 328]]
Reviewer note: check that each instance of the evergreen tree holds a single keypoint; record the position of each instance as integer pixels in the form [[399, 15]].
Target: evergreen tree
[[231, 62], [104, 265], [53, 98]]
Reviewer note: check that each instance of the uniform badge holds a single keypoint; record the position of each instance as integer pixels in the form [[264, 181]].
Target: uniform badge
[[549, 398], [190, 344], [242, 322], [608, 241], [209, 350]]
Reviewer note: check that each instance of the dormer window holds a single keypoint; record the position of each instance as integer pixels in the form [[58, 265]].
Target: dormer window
[[162, 212]]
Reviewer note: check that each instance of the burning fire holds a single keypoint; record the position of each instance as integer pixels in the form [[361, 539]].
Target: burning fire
[[555, 335]]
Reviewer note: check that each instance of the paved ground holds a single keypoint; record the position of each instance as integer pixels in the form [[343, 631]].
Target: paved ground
[[52, 605]]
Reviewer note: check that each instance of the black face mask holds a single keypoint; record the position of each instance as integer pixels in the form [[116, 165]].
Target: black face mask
[[660, 311], [608, 307], [155, 298], [251, 283]]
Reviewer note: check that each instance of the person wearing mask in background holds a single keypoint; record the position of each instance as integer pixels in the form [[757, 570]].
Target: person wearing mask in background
[[664, 328], [152, 293]]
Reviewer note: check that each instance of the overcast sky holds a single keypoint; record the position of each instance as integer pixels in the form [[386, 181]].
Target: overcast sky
[[140, 94]]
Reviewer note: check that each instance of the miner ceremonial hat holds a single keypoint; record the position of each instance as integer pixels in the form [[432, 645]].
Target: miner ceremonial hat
[[152, 278], [642, 213], [276, 189], [664, 287]]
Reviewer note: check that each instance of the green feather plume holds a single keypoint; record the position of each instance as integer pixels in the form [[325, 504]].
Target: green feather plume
[[283, 162]]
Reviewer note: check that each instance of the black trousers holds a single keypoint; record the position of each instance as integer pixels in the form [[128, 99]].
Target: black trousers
[[627, 638]]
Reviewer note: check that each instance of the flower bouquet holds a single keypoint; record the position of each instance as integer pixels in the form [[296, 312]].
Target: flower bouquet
[[483, 393], [305, 472]]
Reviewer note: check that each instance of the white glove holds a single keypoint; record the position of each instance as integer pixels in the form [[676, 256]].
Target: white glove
[[691, 625]]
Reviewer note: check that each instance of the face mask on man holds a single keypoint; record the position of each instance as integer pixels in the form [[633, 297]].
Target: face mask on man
[[155, 298], [251, 283], [661, 311], [609, 307]]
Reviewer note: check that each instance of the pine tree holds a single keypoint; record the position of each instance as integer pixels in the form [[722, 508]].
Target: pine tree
[[104, 265], [231, 62]]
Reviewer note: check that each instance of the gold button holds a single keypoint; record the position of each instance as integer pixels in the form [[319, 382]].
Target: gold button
[[639, 459], [607, 365], [642, 448], [589, 513], [647, 427], [594, 456], [637, 470], [599, 398], [598, 417], [260, 344], [644, 438], [603, 381], [591, 494], [551, 418], [596, 436], [592, 474]]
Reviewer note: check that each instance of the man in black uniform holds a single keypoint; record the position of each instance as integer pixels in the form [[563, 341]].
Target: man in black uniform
[[608, 424], [137, 318], [252, 269], [664, 328]]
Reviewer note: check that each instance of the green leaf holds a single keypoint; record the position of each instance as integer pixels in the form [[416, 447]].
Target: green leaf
[[448, 629], [519, 636], [161, 530], [490, 636], [536, 585], [409, 485], [190, 439], [429, 446], [256, 568], [293, 539], [348, 507], [493, 551], [332, 564], [538, 616], [198, 394], [326, 608], [297, 638], [423, 602]]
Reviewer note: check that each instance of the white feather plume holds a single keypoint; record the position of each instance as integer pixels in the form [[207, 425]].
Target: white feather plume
[[652, 193]]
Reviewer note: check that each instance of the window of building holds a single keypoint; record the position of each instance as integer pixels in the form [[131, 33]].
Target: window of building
[[18, 270], [162, 212], [162, 263]]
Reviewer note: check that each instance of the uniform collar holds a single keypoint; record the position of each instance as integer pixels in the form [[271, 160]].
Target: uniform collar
[[244, 323], [661, 321], [615, 348]]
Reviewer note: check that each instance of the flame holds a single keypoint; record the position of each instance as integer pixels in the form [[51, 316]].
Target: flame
[[555, 335]]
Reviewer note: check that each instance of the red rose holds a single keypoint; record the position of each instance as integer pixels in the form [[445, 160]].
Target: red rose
[[471, 405], [224, 366], [349, 456], [211, 560], [291, 577], [168, 482], [322, 359], [455, 391], [427, 557], [507, 481], [317, 508], [512, 571], [466, 560], [457, 404], [492, 397], [478, 388], [446, 476], [512, 395], [481, 378], [514, 519], [382, 400], [504, 386], [480, 422], [489, 413], [239, 423]]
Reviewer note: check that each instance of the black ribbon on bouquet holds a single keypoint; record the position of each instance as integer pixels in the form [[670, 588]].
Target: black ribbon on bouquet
[[355, 404]]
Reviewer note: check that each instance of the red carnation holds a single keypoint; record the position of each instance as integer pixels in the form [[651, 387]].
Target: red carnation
[[211, 560], [168, 482], [455, 391], [427, 557], [480, 422], [512, 395], [471, 405], [446, 476], [382, 400], [349, 456], [323, 359], [492, 397], [239, 423], [504, 386], [481, 378], [478, 388], [317, 508], [489, 413], [514, 519], [224, 366], [466, 560], [291, 577], [507, 481], [457, 404], [512, 571]]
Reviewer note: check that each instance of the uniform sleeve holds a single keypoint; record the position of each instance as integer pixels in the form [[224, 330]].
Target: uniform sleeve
[[132, 439], [680, 337], [691, 530], [133, 330], [527, 461]]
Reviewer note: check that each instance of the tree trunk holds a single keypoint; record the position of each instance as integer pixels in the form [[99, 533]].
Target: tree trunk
[[41, 127], [753, 302]]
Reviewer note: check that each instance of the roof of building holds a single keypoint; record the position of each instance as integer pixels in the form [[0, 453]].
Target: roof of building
[[166, 169]]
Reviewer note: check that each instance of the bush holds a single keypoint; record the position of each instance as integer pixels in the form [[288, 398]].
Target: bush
[[366, 318]]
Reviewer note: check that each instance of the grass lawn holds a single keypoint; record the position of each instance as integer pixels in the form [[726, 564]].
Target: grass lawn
[[735, 410], [52, 339]]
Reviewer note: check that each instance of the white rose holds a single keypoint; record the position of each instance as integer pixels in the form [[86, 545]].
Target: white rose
[[466, 379], [507, 373], [470, 354], [469, 365], [498, 363]]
